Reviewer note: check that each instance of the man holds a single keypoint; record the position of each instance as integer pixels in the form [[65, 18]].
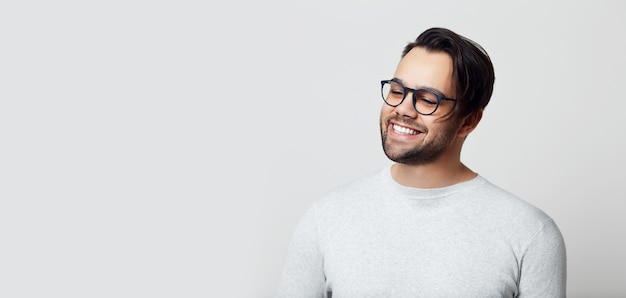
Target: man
[[427, 226]]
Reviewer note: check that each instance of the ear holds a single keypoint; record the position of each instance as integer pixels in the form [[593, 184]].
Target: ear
[[469, 123]]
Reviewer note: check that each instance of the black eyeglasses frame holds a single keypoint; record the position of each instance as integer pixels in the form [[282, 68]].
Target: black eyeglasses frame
[[414, 97]]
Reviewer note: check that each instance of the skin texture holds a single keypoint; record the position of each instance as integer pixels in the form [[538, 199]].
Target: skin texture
[[430, 158]]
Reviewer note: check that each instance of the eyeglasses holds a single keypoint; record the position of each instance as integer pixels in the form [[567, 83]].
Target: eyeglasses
[[425, 101]]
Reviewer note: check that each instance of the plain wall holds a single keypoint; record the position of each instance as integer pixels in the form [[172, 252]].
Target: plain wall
[[168, 149]]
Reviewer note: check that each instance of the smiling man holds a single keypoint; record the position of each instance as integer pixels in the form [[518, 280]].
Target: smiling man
[[427, 226]]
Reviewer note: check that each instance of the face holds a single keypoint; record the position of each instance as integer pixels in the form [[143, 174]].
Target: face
[[407, 136]]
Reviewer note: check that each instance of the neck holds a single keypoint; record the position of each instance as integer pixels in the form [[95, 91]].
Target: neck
[[445, 171]]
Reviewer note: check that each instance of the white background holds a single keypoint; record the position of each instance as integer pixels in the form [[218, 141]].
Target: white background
[[168, 148]]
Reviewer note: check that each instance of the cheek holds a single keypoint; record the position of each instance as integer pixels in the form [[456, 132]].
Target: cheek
[[386, 110], [441, 131], [384, 115]]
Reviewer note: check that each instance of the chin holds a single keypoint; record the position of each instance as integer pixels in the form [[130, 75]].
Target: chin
[[414, 156]]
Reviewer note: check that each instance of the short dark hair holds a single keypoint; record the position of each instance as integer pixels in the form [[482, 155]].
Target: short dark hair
[[472, 71]]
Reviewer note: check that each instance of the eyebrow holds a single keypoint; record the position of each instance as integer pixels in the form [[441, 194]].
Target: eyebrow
[[422, 87]]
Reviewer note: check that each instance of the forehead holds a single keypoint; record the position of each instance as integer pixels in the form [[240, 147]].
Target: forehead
[[421, 68]]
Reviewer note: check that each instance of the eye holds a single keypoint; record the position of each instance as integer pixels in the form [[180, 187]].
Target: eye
[[397, 92], [426, 100]]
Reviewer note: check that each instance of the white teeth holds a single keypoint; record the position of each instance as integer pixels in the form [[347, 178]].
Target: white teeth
[[404, 130]]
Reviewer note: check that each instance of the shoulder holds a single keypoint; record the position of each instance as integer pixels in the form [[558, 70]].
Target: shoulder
[[358, 190], [512, 215], [508, 204], [356, 198]]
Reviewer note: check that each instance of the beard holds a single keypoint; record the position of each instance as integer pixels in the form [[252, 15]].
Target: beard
[[426, 152]]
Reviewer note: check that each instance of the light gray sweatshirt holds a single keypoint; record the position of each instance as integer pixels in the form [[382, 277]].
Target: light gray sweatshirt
[[377, 238]]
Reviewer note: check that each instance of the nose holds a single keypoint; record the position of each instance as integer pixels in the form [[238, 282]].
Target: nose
[[406, 108]]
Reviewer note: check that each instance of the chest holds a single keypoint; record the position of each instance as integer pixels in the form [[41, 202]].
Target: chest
[[396, 260]]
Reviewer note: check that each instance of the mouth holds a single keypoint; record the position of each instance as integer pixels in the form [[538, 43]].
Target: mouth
[[403, 130]]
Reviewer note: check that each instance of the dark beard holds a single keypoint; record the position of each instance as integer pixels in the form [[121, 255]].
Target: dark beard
[[424, 153], [415, 156]]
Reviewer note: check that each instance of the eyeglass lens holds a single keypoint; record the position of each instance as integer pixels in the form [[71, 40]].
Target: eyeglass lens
[[425, 101]]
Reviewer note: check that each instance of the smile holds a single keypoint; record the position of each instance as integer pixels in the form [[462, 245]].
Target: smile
[[404, 130]]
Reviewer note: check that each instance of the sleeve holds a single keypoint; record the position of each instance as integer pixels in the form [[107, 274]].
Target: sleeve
[[543, 271], [303, 274]]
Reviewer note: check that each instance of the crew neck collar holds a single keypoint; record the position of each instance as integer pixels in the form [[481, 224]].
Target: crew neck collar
[[427, 193]]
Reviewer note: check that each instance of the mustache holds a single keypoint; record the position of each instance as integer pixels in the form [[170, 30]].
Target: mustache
[[402, 121]]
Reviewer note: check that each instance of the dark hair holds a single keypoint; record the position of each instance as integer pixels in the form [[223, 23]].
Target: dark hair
[[472, 71]]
